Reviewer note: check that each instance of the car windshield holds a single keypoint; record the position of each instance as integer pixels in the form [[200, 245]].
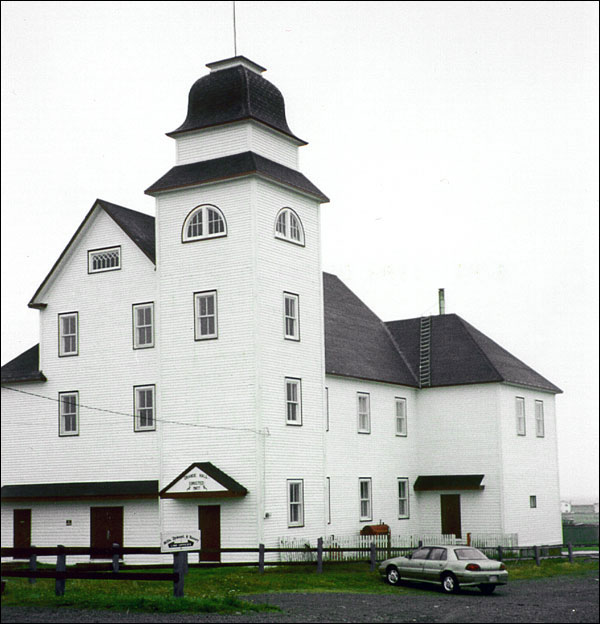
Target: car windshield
[[469, 553]]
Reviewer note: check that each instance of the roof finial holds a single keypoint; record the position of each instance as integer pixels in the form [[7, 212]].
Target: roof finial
[[234, 32]]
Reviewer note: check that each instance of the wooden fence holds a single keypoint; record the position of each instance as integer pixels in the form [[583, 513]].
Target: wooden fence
[[322, 553]]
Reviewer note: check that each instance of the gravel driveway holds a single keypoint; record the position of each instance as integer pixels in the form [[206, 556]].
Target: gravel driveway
[[561, 599]]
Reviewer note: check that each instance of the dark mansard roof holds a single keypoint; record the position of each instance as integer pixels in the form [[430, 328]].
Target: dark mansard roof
[[357, 343], [232, 94]]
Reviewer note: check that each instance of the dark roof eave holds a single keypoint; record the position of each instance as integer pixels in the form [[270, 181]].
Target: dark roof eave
[[373, 379], [24, 378], [175, 133]]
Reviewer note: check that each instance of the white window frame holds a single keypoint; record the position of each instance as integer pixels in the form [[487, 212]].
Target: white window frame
[[540, 430], [139, 405], [365, 503], [326, 408], [285, 217], [293, 319], [63, 431], [520, 415], [293, 382], [363, 416], [328, 499], [198, 317], [295, 502], [401, 417], [62, 335], [403, 498], [112, 252], [137, 326], [206, 212]]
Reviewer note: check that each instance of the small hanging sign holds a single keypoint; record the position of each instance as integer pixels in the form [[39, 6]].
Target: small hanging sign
[[176, 542]]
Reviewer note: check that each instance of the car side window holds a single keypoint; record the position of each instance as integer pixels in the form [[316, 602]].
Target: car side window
[[438, 554], [421, 553]]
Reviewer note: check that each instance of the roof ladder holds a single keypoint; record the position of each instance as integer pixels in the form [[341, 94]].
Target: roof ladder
[[425, 352]]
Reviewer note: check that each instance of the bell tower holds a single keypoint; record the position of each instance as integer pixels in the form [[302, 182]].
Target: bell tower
[[240, 313]]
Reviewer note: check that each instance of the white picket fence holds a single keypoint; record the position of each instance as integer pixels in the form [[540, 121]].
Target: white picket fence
[[393, 543]]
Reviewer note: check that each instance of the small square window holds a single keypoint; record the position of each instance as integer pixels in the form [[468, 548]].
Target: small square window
[[143, 325], [100, 260], [68, 414], [205, 310]]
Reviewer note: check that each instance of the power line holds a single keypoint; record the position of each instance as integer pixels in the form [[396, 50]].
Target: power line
[[161, 420]]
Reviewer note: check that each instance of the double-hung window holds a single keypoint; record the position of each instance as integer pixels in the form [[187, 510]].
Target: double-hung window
[[205, 310], [295, 489], [364, 492], [293, 401], [539, 419], [364, 412], [143, 325], [403, 511], [401, 426], [533, 502], [291, 316], [68, 413], [520, 407], [68, 326], [144, 408]]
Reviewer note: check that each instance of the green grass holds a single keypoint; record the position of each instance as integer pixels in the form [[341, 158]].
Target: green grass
[[219, 589]]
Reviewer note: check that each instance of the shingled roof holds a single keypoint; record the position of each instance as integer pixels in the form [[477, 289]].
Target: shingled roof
[[234, 166], [461, 354], [357, 343], [25, 367], [234, 94]]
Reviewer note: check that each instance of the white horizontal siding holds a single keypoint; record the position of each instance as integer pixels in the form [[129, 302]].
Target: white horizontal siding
[[233, 139]]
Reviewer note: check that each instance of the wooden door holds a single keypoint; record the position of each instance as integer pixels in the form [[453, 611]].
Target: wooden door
[[450, 504], [209, 523], [106, 527], [21, 528]]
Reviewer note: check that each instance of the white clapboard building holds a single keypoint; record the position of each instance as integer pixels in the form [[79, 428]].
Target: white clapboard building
[[199, 370]]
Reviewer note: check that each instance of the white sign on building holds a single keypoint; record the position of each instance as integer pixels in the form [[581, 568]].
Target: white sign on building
[[176, 542]]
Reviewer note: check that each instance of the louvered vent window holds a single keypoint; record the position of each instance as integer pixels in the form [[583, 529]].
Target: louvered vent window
[[101, 260]]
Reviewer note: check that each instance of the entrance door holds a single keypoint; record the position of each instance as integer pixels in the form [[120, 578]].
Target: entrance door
[[209, 523], [106, 527], [450, 504], [21, 528]]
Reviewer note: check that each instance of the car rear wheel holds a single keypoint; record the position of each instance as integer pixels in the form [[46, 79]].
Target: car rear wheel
[[449, 584], [487, 588], [392, 575]]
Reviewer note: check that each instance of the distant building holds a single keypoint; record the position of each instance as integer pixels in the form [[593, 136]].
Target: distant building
[[199, 370]]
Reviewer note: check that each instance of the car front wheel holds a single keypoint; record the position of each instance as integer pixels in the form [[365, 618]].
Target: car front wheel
[[449, 584], [487, 588], [392, 575]]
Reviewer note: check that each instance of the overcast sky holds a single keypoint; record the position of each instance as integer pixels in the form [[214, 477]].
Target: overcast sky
[[458, 143]]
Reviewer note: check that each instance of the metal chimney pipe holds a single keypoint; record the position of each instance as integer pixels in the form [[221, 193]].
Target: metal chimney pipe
[[442, 301]]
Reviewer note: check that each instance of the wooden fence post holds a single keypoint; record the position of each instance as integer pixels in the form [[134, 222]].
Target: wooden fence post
[[320, 555], [261, 558], [32, 566], [373, 556], [115, 558], [179, 567], [536, 550], [61, 566], [570, 547], [499, 553]]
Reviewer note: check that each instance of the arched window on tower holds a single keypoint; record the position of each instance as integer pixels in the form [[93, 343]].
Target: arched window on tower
[[289, 227], [205, 221]]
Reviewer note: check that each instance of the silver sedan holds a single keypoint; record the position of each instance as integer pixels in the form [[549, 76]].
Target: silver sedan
[[451, 566]]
